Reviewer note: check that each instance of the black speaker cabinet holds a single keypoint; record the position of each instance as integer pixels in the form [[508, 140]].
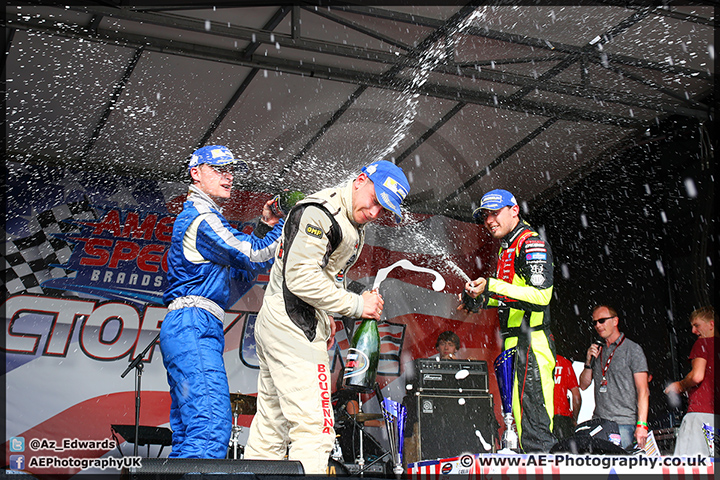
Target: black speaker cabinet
[[450, 425], [175, 468]]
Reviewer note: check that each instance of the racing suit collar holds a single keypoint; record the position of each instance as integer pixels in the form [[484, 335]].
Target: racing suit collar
[[346, 201], [508, 239], [197, 195]]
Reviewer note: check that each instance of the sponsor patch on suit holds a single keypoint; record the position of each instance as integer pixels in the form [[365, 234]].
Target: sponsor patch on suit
[[313, 230]]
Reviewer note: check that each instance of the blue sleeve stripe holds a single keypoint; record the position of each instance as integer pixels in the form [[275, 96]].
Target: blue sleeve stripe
[[245, 247]]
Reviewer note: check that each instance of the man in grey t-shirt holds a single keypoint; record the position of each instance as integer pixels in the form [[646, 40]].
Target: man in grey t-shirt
[[620, 372]]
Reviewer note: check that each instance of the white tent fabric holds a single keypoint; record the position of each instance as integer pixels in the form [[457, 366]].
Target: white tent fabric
[[464, 98]]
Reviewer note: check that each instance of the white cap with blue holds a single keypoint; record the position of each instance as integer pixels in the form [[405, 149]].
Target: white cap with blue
[[495, 200], [391, 185], [215, 155]]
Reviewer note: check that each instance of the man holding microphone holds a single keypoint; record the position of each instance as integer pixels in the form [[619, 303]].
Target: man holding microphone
[[619, 369]]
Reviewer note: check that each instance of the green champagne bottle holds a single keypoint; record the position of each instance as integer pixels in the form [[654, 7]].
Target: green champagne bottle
[[362, 358], [284, 201]]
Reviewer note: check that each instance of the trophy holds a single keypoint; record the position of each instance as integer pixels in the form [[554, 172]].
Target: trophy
[[504, 370], [395, 415]]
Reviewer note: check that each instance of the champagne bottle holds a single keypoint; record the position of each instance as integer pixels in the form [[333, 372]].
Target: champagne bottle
[[362, 358], [284, 201]]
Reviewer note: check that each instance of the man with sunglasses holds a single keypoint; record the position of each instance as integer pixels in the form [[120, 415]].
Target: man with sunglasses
[[619, 371], [322, 239], [205, 254], [521, 291]]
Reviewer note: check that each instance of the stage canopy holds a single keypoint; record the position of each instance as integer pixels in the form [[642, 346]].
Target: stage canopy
[[464, 98]]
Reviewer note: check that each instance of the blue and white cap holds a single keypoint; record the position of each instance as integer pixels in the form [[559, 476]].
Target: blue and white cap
[[391, 185], [215, 155], [495, 200]]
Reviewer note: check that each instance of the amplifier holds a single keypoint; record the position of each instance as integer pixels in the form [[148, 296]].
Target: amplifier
[[451, 375]]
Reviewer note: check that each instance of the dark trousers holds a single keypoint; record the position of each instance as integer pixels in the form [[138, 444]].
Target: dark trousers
[[534, 386], [563, 427]]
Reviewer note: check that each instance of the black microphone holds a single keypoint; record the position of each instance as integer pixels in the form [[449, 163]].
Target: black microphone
[[599, 343]]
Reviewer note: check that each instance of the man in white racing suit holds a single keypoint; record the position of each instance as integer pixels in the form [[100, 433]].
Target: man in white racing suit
[[322, 238]]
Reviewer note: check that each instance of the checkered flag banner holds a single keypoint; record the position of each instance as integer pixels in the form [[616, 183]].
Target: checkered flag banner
[[31, 260]]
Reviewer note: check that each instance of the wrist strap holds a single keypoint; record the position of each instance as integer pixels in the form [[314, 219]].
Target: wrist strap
[[262, 228], [588, 366]]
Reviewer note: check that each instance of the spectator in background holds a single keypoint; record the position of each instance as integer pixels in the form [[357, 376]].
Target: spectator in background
[[620, 372], [699, 385], [566, 415], [447, 345]]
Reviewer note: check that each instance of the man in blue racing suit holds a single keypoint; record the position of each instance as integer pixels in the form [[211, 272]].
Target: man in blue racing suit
[[205, 254]]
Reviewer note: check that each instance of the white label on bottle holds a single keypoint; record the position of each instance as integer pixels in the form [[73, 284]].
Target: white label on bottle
[[357, 363]]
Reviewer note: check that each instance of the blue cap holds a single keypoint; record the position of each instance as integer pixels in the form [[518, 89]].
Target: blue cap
[[391, 185], [495, 200], [215, 155]]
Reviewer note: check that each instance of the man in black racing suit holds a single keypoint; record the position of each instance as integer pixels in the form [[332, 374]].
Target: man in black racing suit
[[521, 290]]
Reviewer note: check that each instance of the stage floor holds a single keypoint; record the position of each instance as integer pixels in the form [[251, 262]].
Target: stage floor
[[498, 466]]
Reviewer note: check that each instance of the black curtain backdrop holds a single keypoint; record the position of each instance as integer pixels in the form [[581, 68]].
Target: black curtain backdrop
[[638, 233]]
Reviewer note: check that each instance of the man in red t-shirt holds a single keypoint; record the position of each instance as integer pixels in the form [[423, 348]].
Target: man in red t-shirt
[[565, 419], [699, 386]]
